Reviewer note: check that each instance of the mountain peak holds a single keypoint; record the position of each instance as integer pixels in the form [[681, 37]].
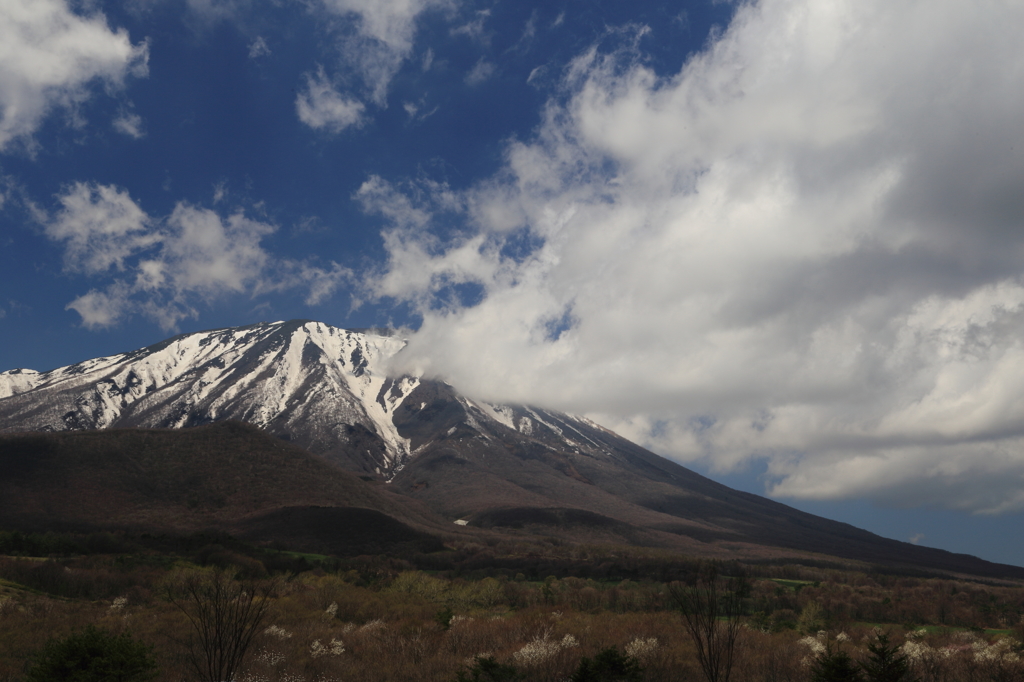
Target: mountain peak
[[301, 379]]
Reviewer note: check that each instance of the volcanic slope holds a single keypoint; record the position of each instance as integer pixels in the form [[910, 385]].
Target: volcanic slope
[[520, 469], [229, 477], [528, 469]]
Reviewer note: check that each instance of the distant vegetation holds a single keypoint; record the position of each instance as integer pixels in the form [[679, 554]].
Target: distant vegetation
[[540, 611]]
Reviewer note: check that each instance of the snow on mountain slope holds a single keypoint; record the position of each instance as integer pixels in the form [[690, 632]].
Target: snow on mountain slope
[[323, 387]]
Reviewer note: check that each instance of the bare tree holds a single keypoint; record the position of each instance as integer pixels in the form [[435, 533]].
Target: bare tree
[[711, 612], [225, 615]]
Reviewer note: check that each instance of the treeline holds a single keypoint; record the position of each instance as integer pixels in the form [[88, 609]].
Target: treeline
[[104, 565], [772, 605]]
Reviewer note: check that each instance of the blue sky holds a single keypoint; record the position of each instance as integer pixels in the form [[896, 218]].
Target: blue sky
[[778, 241]]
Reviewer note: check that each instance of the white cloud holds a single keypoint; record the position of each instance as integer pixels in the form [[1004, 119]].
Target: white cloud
[[383, 36], [805, 247], [6, 185], [322, 283], [99, 309], [474, 30], [49, 55], [164, 268], [258, 48], [322, 107], [129, 124], [100, 226], [417, 110], [480, 72]]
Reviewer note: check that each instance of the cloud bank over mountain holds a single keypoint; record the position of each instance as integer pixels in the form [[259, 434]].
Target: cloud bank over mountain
[[803, 248]]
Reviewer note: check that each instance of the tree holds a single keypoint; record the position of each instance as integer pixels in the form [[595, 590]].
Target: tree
[[225, 615], [835, 666], [711, 614], [886, 663], [93, 655], [609, 666]]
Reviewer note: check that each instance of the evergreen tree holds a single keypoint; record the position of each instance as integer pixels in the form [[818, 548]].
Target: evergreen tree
[[609, 666], [886, 663], [835, 666]]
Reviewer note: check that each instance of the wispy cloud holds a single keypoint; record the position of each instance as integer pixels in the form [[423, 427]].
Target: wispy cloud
[[474, 30], [212, 11], [322, 107], [130, 124], [804, 248], [480, 72], [382, 38], [258, 48], [163, 268], [50, 56]]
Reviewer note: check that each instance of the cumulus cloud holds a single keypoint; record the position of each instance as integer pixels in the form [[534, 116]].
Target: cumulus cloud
[[50, 55], [164, 268], [382, 36], [803, 248], [100, 226], [322, 107]]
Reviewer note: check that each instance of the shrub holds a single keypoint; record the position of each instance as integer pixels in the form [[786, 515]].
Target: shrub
[[444, 618], [93, 655], [487, 669]]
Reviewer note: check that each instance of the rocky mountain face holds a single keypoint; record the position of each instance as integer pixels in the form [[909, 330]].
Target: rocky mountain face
[[321, 387], [510, 468]]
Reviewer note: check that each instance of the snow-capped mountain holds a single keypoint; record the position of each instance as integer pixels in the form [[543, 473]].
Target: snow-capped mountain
[[324, 388], [328, 391]]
